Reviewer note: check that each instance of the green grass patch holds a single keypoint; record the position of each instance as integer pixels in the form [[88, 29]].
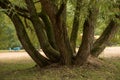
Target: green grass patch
[[4, 51], [23, 70]]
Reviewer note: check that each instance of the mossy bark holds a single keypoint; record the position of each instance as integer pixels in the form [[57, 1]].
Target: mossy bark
[[84, 49], [50, 52]]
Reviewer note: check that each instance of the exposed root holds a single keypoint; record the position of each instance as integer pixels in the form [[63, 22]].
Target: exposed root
[[91, 62], [95, 62]]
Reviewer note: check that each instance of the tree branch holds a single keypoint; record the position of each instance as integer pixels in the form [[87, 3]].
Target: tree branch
[[50, 9], [60, 11], [21, 11], [50, 52]]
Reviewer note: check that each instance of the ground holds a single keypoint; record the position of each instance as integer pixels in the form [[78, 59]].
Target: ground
[[108, 52], [111, 52], [19, 66]]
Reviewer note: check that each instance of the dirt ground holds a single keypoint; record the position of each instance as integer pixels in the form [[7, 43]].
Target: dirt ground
[[111, 52], [18, 55]]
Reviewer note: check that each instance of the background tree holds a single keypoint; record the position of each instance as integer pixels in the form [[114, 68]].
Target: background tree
[[8, 38]]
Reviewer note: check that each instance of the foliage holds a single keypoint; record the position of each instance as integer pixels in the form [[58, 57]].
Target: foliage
[[115, 41], [8, 38], [20, 3], [107, 10]]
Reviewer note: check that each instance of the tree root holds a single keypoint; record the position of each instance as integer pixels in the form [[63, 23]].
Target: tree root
[[95, 62]]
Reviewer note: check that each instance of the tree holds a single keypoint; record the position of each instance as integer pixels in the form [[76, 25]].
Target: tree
[[49, 24]]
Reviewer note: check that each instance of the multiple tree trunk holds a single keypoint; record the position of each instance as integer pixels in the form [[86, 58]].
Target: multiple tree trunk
[[51, 31]]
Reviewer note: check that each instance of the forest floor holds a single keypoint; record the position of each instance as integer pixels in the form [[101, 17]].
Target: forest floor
[[19, 66]]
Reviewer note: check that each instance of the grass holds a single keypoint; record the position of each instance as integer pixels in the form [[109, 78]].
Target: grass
[[24, 70], [3, 51]]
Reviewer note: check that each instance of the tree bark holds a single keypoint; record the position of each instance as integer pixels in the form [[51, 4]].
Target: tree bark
[[85, 47], [67, 41], [50, 52], [75, 26], [25, 41], [106, 36], [49, 29], [92, 22], [60, 31]]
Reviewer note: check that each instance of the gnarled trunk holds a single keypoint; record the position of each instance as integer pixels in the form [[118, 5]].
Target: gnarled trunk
[[60, 31], [50, 52]]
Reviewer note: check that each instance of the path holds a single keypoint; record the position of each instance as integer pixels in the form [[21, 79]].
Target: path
[[108, 52], [111, 52]]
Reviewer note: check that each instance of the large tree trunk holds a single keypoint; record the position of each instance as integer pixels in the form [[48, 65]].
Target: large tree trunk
[[88, 36], [84, 49], [67, 41], [106, 36], [25, 41], [92, 23], [61, 37], [60, 31], [75, 26], [50, 52]]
